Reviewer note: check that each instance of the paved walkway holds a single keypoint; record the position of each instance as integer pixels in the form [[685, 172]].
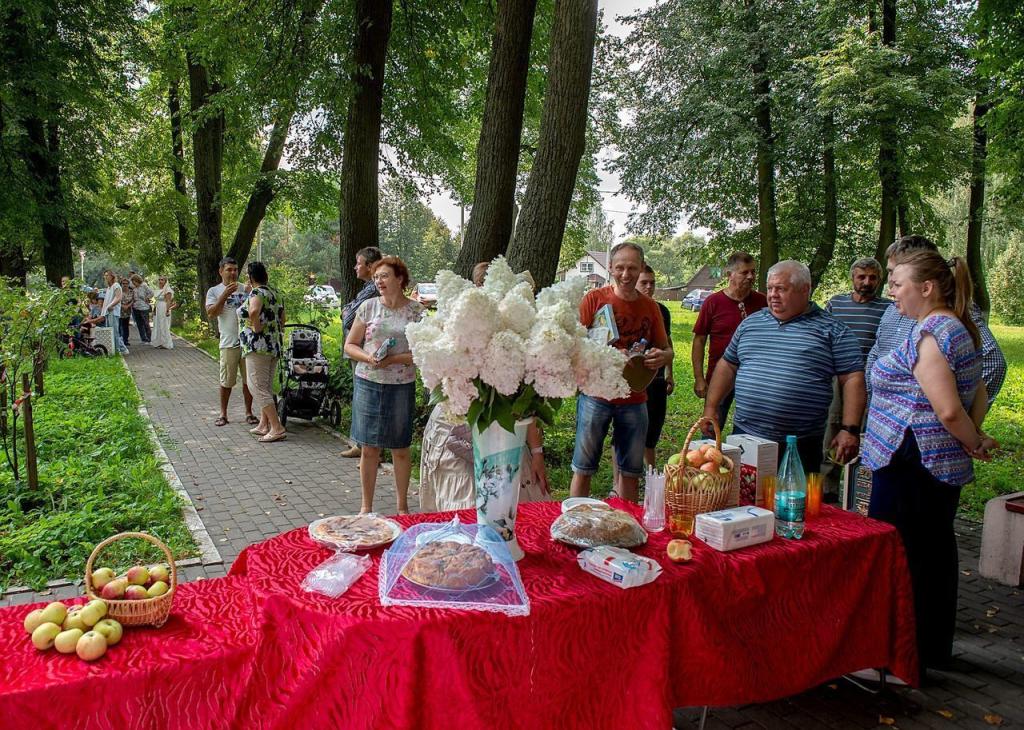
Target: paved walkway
[[246, 491]]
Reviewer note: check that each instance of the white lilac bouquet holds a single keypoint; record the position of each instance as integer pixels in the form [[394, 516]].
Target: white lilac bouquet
[[496, 353]]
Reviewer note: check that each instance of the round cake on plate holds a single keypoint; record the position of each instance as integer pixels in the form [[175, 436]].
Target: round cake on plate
[[450, 566]]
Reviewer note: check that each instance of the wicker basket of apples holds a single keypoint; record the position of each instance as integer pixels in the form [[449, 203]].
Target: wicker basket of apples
[[142, 595], [697, 480]]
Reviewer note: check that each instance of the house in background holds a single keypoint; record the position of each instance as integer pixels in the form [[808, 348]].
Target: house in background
[[707, 277], [593, 265]]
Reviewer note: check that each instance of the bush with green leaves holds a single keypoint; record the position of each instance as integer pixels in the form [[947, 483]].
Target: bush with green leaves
[[98, 476], [1006, 284]]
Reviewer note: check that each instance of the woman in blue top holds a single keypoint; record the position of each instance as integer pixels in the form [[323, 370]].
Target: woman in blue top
[[923, 430]]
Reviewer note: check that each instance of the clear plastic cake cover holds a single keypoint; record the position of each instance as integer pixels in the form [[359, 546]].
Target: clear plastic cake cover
[[452, 565]]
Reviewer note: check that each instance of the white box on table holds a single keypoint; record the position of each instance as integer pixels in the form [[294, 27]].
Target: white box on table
[[738, 527], [733, 452], [760, 458]]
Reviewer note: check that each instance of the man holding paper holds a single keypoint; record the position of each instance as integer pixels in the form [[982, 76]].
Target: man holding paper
[[640, 330]]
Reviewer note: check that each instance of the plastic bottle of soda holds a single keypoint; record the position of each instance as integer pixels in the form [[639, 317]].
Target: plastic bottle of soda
[[790, 494]]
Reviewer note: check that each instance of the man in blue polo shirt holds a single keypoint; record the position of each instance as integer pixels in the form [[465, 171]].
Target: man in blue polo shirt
[[781, 362]]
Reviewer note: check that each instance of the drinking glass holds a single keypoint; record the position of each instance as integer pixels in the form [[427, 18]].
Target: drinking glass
[[768, 489], [814, 486]]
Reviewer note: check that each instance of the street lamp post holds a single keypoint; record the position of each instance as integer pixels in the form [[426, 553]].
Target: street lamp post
[[81, 258]]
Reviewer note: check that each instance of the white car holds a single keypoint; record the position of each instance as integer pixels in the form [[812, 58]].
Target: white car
[[322, 295]]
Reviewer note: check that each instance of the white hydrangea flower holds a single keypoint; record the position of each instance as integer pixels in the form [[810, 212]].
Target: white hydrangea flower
[[499, 279], [449, 286], [506, 362], [517, 310], [563, 314], [473, 320], [460, 394], [571, 290], [598, 370]]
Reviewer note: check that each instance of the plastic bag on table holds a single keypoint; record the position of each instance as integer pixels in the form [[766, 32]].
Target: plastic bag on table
[[618, 566], [593, 525], [336, 575], [452, 565]]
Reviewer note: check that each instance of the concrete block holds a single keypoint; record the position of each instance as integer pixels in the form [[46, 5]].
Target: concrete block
[[1002, 540]]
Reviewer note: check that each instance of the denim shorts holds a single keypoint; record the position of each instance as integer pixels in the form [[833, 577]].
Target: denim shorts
[[382, 414], [593, 417]]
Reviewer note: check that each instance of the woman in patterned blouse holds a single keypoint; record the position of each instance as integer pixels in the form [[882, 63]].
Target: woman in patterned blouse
[[923, 430], [262, 321]]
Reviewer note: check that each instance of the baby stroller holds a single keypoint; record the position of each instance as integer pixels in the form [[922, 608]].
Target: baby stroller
[[303, 372], [80, 342]]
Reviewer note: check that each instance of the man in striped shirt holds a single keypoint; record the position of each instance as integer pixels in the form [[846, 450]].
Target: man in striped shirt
[[782, 360]]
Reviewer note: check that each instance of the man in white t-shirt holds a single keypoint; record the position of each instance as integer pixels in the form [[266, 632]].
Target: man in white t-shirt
[[222, 302], [111, 309]]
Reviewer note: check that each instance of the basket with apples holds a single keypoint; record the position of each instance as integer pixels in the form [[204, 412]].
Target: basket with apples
[[696, 481], [142, 595]]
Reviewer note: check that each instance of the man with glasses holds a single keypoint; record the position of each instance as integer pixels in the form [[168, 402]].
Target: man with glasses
[[720, 315]]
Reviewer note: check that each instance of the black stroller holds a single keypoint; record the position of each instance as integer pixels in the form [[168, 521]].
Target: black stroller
[[304, 373]]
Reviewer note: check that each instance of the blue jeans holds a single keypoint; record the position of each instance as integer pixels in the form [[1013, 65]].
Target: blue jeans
[[114, 323], [593, 417]]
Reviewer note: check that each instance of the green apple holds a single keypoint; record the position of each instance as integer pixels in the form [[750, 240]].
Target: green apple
[[66, 641], [55, 613], [157, 589], [91, 646], [101, 577], [43, 636], [34, 620], [138, 575], [74, 620], [110, 629], [160, 572], [675, 459], [92, 612]]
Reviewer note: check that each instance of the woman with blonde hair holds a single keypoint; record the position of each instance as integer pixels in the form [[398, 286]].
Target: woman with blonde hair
[[923, 431]]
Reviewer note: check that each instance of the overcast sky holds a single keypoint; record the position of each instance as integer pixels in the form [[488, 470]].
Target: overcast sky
[[616, 206]]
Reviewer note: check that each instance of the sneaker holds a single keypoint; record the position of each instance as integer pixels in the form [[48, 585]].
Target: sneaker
[[352, 452]]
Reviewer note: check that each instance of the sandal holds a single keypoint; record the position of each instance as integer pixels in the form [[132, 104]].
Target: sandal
[[257, 432], [268, 439], [222, 421], [251, 420]]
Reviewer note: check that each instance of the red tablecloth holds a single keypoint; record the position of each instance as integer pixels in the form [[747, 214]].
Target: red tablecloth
[[727, 628], [187, 674], [253, 650]]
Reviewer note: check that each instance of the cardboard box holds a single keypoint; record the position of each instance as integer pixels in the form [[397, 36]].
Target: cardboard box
[[855, 488], [759, 458], [738, 527], [733, 452]]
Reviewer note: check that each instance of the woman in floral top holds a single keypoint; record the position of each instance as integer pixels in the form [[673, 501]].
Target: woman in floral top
[[923, 431], [262, 320], [384, 398]]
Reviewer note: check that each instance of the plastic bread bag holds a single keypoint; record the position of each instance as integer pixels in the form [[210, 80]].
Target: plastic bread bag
[[618, 566], [452, 565], [590, 526], [336, 575]]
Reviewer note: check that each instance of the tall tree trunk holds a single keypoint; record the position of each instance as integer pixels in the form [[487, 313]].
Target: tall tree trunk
[[358, 211], [766, 218], [42, 160], [563, 138], [12, 262], [497, 154], [976, 206], [208, 154], [263, 190], [830, 231], [888, 171], [178, 168]]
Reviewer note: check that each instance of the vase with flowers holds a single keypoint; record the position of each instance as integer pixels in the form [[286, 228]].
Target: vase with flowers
[[500, 357]]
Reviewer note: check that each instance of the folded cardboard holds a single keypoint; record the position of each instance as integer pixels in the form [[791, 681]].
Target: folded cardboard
[[759, 458]]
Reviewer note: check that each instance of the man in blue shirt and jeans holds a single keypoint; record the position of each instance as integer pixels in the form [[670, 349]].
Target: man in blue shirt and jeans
[[781, 362]]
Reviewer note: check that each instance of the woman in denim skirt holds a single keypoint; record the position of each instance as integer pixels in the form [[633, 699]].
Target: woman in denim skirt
[[384, 397]]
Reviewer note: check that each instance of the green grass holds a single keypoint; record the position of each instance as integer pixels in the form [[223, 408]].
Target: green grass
[[97, 474]]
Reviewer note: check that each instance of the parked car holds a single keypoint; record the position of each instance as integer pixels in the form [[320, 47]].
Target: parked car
[[694, 299], [426, 294], [322, 295]]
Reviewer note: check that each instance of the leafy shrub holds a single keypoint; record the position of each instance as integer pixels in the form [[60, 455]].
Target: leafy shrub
[[1006, 284]]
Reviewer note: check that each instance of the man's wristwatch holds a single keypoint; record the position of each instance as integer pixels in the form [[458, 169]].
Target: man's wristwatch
[[852, 430]]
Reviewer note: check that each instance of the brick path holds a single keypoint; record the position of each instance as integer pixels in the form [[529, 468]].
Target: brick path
[[247, 491]]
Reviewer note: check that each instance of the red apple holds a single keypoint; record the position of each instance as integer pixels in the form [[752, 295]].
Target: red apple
[[138, 575], [114, 589], [710, 467], [135, 593]]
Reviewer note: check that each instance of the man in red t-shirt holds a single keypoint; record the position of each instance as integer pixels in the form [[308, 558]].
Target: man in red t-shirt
[[720, 315], [637, 318]]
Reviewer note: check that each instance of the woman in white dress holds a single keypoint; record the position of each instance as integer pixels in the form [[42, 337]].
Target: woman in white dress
[[162, 315]]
